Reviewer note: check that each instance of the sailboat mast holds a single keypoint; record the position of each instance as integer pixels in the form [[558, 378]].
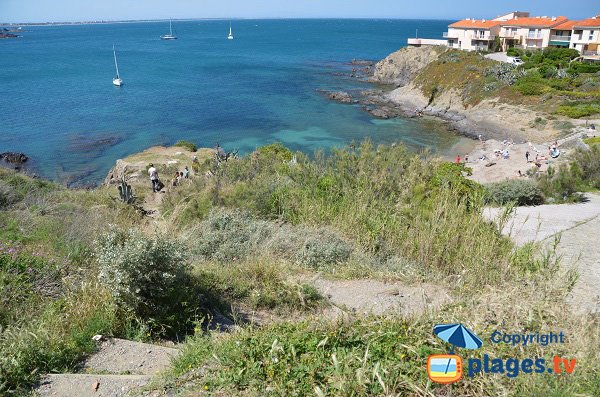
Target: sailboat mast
[[116, 65], [170, 28]]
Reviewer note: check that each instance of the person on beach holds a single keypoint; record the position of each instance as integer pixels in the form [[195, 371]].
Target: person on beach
[[153, 178], [458, 159], [186, 172], [527, 154]]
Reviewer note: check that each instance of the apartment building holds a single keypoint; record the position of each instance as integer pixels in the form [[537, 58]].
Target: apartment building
[[519, 29], [585, 36], [472, 34], [560, 35], [530, 32]]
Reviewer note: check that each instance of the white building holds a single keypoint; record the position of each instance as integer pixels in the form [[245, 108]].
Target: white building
[[585, 36], [530, 32]]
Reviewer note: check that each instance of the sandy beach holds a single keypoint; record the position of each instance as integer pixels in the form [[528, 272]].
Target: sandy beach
[[489, 165]]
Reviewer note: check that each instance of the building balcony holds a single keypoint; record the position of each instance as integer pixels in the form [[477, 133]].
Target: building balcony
[[534, 37], [560, 38], [481, 37], [450, 35]]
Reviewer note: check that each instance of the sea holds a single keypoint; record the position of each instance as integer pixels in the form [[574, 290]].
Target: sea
[[58, 104]]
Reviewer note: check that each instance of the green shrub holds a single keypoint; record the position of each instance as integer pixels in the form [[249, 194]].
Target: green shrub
[[579, 67], [514, 52], [521, 192], [187, 145], [531, 84], [146, 276], [578, 110], [324, 250], [56, 339], [8, 195], [592, 141], [276, 151], [226, 236]]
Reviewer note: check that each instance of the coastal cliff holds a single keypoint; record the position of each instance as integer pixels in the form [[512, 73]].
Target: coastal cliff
[[468, 91], [401, 67]]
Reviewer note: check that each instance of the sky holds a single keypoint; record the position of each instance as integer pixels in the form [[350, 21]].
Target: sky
[[93, 10]]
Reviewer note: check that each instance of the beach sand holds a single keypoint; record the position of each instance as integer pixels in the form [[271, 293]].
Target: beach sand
[[495, 168]]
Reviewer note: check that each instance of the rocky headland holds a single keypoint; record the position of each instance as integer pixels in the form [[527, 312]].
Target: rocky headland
[[401, 88]]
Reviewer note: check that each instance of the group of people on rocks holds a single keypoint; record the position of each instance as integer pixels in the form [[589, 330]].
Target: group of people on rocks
[[157, 185]]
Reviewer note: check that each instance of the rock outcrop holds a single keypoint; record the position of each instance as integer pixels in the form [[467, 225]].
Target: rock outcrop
[[14, 158], [402, 66], [340, 96]]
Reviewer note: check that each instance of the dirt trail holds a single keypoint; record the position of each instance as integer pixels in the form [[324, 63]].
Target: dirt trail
[[578, 226], [118, 368], [376, 297]]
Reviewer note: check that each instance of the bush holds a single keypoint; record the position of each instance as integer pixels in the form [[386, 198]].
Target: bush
[[514, 52], [324, 250], [226, 236], [582, 174], [521, 192], [531, 84], [188, 145], [145, 276], [578, 110], [578, 67], [8, 195]]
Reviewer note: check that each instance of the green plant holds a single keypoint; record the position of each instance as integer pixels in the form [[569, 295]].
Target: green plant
[[579, 109], [187, 145], [126, 192], [323, 250], [147, 276], [55, 339], [521, 192]]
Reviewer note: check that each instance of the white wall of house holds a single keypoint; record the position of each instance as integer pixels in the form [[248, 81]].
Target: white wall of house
[[585, 39], [528, 37], [472, 39]]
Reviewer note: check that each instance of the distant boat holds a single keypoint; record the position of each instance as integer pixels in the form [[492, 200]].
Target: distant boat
[[169, 36], [230, 37], [117, 80]]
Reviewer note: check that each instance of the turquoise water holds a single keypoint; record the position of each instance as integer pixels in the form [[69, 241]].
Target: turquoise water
[[59, 106]]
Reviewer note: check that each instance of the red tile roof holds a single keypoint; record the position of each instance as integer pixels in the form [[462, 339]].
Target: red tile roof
[[593, 22], [475, 23], [566, 25], [537, 22]]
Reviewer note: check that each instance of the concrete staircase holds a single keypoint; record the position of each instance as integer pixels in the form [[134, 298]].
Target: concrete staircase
[[118, 368]]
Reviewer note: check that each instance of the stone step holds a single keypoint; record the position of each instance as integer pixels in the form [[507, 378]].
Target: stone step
[[119, 356], [83, 385]]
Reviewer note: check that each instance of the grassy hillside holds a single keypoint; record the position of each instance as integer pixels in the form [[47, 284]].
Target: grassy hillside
[[548, 81], [248, 235]]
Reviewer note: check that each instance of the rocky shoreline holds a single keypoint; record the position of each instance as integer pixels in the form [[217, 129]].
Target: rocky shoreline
[[396, 94]]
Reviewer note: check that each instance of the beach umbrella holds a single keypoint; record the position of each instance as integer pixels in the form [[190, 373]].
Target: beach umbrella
[[458, 335]]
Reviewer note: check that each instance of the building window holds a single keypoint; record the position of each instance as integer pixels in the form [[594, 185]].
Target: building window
[[591, 35]]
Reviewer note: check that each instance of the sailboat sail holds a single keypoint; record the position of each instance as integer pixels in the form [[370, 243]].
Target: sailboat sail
[[116, 65]]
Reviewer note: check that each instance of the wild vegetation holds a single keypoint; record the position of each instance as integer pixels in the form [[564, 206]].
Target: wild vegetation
[[551, 76], [561, 184], [247, 235]]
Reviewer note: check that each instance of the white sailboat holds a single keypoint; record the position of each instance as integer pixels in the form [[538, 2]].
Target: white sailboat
[[117, 80], [230, 37], [169, 36]]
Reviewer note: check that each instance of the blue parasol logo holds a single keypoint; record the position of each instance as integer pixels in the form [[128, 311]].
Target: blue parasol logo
[[458, 335]]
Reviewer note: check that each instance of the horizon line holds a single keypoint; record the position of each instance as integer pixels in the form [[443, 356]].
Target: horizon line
[[106, 21]]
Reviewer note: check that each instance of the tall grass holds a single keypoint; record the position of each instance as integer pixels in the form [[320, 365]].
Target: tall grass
[[386, 201]]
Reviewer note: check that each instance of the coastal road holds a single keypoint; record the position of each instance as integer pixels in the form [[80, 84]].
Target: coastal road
[[578, 226]]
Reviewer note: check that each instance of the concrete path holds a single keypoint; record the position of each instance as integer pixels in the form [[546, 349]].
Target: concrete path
[[498, 56], [578, 226], [118, 368]]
